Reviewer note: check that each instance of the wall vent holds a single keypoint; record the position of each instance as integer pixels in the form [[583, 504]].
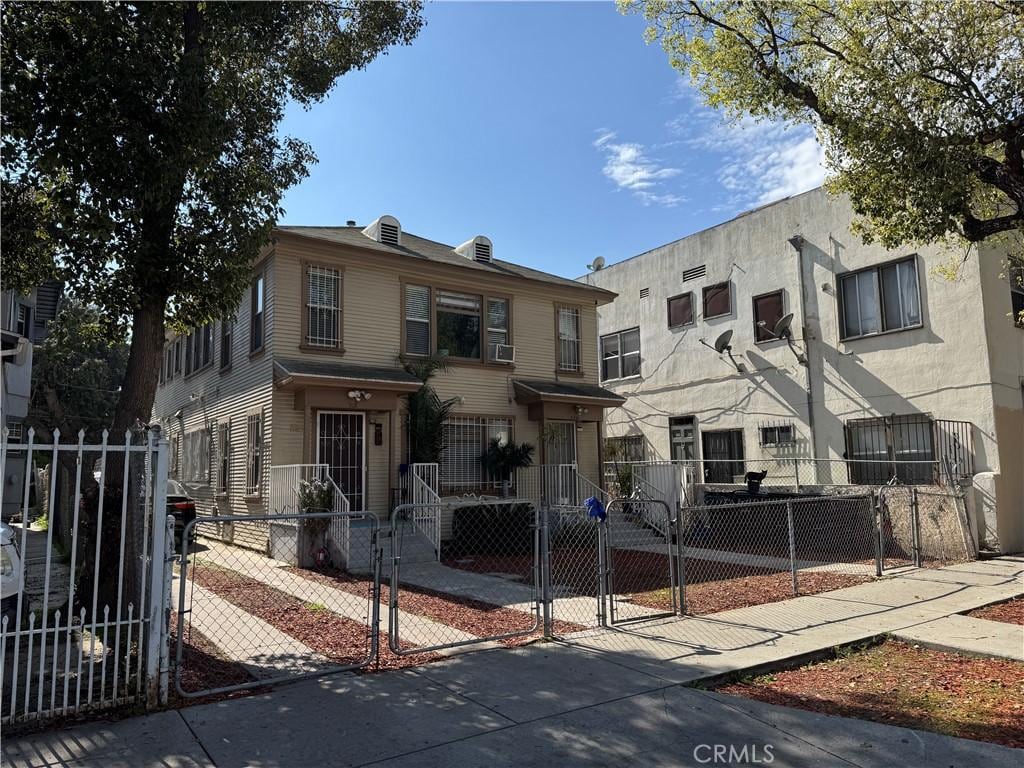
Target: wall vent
[[479, 249], [645, 292], [694, 272]]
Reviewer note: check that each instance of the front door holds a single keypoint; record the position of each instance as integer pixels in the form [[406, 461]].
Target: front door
[[341, 445], [723, 456], [561, 452]]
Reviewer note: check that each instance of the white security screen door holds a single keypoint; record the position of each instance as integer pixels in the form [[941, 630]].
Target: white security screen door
[[341, 445]]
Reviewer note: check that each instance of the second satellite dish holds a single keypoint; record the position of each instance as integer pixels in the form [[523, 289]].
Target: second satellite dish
[[722, 342], [782, 328]]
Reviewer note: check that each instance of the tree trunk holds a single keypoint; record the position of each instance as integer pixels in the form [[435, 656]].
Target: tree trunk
[[145, 357]]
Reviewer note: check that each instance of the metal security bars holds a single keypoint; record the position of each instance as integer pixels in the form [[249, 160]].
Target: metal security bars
[[86, 630], [246, 619]]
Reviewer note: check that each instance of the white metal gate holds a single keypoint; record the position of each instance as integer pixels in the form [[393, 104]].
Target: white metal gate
[[87, 628]]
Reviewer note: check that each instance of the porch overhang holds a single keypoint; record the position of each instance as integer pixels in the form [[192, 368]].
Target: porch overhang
[[548, 400], [298, 375]]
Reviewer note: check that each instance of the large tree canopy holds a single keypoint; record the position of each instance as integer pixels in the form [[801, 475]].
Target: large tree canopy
[[142, 162], [919, 105]]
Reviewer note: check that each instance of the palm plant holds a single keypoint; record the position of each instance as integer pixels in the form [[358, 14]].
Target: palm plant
[[425, 412], [502, 459]]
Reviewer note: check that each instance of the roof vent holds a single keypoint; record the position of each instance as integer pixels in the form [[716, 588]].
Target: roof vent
[[478, 249], [385, 230]]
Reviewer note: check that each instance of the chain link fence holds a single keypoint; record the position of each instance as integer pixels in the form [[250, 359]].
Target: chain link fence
[[482, 585], [439, 577], [247, 618]]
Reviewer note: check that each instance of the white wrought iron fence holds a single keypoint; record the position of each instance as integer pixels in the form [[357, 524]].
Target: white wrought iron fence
[[423, 484], [87, 628]]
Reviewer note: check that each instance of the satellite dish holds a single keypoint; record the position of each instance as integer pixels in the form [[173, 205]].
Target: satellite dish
[[782, 328], [722, 342], [597, 265]]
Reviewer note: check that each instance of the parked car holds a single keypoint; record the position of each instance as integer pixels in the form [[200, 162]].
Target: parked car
[[182, 507], [10, 572]]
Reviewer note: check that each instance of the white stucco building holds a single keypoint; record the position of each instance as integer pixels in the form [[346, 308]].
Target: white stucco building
[[889, 361]]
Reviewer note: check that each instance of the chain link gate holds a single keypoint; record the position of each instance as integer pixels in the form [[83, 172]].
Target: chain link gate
[[305, 606], [641, 560], [482, 585]]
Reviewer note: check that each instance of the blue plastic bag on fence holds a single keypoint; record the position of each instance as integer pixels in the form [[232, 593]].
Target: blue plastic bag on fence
[[595, 508]]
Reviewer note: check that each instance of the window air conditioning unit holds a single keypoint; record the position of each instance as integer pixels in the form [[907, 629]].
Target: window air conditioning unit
[[503, 353]]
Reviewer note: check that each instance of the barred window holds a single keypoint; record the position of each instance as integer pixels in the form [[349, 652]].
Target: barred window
[[497, 325], [197, 456], [323, 307], [417, 320], [465, 438], [253, 453], [223, 457], [568, 339]]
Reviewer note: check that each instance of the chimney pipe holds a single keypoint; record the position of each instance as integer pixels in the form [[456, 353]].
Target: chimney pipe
[[350, 223]]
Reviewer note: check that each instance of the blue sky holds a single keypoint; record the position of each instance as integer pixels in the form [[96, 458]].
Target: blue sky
[[552, 128]]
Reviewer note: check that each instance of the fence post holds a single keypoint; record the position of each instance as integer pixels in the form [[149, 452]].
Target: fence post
[[602, 570], [915, 525], [544, 568], [792, 546], [681, 559], [876, 508], [796, 473], [157, 648]]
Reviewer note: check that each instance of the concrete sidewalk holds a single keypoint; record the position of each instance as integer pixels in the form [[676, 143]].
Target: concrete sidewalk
[[605, 699]]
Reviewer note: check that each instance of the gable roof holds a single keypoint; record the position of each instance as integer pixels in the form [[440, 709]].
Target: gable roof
[[417, 247]]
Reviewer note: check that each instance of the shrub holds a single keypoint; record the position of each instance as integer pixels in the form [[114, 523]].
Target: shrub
[[492, 529]]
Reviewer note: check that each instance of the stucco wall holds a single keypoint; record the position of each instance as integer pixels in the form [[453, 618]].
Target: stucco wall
[[944, 368]]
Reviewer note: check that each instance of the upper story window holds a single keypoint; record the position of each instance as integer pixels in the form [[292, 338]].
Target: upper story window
[[23, 320], [767, 313], [323, 307], [497, 325], [680, 310], [177, 355], [569, 339], [458, 324], [199, 348], [168, 366], [620, 354], [1016, 273], [878, 299], [717, 300], [417, 320], [257, 313], [227, 333]]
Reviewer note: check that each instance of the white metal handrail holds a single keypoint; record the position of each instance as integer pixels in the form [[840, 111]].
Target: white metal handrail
[[427, 509]]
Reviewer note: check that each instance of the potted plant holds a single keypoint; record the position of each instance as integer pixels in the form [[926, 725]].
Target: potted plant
[[316, 495], [501, 459]]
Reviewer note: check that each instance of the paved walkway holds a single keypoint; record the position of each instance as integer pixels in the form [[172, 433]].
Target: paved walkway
[[966, 634], [604, 699]]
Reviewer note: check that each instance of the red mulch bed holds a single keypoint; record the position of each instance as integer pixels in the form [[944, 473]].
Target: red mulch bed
[[1010, 612], [204, 666], [901, 684], [729, 594], [711, 586], [336, 637], [463, 613]]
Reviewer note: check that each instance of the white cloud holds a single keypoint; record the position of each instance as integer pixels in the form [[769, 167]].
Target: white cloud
[[629, 167], [763, 160]]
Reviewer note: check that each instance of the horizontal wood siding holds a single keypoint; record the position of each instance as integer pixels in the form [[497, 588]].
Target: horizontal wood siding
[[211, 397]]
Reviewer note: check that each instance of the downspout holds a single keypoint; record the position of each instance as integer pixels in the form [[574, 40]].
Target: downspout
[[798, 242]]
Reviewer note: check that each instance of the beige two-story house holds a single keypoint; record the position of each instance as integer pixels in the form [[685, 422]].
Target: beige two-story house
[[309, 371]]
